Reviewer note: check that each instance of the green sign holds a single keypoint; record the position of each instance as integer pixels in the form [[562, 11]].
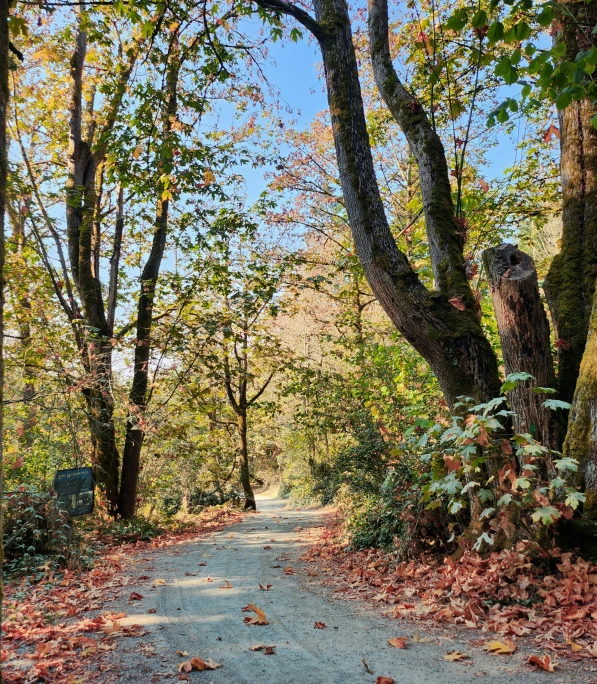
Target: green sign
[[74, 487]]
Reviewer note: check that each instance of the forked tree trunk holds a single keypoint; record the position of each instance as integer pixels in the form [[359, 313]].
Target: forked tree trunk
[[524, 337], [447, 334], [245, 476], [581, 439], [570, 282]]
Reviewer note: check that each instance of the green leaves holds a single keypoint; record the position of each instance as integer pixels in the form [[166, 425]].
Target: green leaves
[[479, 19], [458, 20], [507, 71], [546, 515]]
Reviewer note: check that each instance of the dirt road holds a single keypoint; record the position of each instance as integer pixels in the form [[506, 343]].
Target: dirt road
[[196, 616]]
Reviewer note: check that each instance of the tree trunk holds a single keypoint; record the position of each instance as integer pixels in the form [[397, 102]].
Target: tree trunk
[[245, 477], [524, 336], [131, 457], [581, 439], [4, 96], [449, 339], [570, 282]]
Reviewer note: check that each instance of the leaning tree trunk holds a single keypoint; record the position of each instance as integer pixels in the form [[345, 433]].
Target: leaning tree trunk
[[447, 334], [581, 439], [570, 282], [524, 337]]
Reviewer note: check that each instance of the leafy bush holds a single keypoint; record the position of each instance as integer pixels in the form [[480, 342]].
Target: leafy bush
[[37, 534]]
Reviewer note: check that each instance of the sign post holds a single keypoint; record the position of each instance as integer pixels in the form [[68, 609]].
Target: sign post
[[74, 487]]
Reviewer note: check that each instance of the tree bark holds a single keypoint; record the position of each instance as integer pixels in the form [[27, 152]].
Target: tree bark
[[524, 337], [4, 97], [131, 457], [581, 439], [450, 340], [245, 477], [570, 283]]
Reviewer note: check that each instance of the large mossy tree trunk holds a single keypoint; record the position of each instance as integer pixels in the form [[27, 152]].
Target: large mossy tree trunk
[[524, 336], [581, 439], [4, 97], [570, 282], [449, 339]]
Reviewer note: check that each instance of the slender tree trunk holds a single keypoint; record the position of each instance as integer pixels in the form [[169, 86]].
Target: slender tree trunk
[[581, 439], [133, 444], [4, 96], [524, 337], [245, 477], [570, 282]]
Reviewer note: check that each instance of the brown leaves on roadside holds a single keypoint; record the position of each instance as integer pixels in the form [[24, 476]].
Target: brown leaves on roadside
[[320, 625], [267, 548], [260, 618], [202, 564], [574, 646], [455, 656], [506, 647], [267, 587], [198, 664], [544, 662], [159, 583], [384, 680], [135, 596], [227, 585], [398, 642], [267, 650], [288, 570]]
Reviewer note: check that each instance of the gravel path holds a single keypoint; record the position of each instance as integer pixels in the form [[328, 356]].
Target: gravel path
[[195, 615]]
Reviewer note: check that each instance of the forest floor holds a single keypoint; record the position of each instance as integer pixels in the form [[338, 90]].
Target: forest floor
[[187, 600]]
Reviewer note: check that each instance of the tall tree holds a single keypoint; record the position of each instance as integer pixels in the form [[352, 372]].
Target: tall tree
[[442, 325]]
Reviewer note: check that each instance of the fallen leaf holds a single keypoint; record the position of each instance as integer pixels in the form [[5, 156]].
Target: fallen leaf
[[288, 570], [453, 656], [209, 579], [198, 664], [184, 654], [267, 587], [543, 662], [261, 618], [398, 642], [152, 610], [267, 548], [384, 680], [574, 646], [320, 625], [506, 647], [135, 596], [227, 585], [159, 582], [201, 564]]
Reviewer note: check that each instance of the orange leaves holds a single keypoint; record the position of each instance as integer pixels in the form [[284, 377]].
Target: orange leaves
[[159, 583], [550, 133], [135, 596], [506, 647], [398, 642], [543, 662], [267, 587], [288, 570], [384, 680], [260, 618], [227, 585], [198, 664], [320, 625]]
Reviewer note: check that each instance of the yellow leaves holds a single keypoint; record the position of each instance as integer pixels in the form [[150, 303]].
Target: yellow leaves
[[455, 656], [198, 664], [260, 618], [208, 177], [398, 642], [542, 662], [574, 646], [159, 583], [506, 647], [137, 151]]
